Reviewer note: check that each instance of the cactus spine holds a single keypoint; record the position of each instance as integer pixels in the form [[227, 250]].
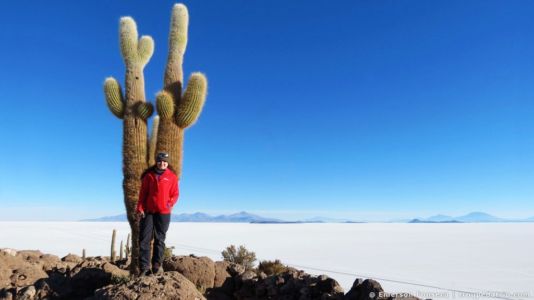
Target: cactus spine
[[134, 112], [178, 111]]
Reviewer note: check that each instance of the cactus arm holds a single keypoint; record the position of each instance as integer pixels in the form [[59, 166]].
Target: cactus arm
[[165, 105], [192, 102], [114, 98], [144, 110], [145, 49]]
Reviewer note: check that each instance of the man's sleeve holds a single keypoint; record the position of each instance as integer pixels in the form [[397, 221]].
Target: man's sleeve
[[141, 203]]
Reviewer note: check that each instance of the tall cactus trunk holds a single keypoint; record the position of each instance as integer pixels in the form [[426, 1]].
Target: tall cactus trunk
[[153, 142], [134, 262], [134, 111], [170, 140], [133, 167]]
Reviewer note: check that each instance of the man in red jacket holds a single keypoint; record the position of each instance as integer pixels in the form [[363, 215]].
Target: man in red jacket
[[158, 194]]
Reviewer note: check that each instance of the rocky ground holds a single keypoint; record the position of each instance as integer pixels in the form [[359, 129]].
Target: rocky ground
[[33, 275]]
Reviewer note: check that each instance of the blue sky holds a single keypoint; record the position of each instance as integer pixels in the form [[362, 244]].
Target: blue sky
[[357, 109]]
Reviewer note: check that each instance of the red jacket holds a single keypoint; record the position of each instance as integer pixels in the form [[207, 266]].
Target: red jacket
[[158, 196]]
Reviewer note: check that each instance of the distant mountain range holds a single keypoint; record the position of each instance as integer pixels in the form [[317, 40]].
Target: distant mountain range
[[474, 217], [245, 217], [240, 217]]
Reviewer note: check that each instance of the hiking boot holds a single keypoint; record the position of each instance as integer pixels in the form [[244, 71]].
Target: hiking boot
[[157, 269], [145, 272]]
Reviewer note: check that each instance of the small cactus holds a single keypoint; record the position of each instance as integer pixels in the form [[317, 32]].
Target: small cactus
[[113, 253], [120, 252], [83, 254], [127, 250]]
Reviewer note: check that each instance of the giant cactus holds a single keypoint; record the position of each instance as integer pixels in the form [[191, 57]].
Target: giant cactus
[[134, 112], [178, 111]]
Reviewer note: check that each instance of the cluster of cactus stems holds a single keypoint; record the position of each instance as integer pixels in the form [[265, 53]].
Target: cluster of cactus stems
[[124, 251], [177, 110]]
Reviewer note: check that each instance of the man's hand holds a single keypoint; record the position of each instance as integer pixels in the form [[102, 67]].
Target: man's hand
[[140, 215]]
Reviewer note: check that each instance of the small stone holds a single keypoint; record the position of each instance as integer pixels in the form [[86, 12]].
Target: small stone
[[26, 293]]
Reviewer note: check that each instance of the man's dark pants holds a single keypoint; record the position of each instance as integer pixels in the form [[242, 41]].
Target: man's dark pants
[[157, 225]]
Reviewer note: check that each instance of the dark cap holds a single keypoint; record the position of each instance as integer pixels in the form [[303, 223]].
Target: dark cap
[[162, 156]]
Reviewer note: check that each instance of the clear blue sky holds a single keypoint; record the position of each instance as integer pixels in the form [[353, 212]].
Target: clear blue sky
[[359, 109]]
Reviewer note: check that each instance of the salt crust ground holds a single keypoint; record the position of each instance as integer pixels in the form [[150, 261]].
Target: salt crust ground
[[491, 259]]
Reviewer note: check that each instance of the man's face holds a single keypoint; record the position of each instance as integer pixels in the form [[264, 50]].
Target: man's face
[[162, 165]]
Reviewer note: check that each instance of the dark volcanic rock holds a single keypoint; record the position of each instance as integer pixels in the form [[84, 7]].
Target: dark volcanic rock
[[364, 289], [199, 270], [81, 281], [169, 285], [291, 284], [223, 283], [33, 275]]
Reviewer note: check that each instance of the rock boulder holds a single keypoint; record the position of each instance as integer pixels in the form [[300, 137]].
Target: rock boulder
[[169, 285], [17, 271], [199, 270]]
